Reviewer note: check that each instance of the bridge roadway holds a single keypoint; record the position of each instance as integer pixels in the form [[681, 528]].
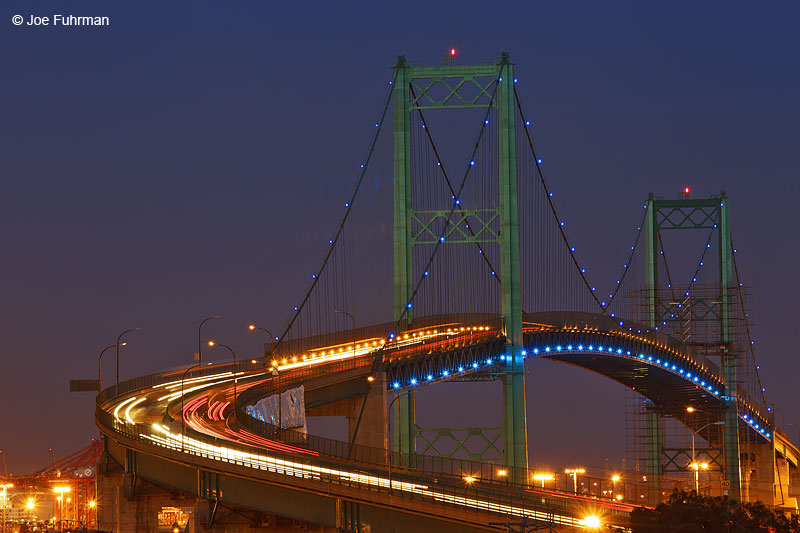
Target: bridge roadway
[[233, 458]]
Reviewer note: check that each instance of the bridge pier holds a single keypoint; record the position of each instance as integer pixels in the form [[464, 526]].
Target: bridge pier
[[366, 414], [653, 449], [125, 503]]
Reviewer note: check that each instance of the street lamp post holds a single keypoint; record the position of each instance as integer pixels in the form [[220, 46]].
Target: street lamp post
[[574, 473], [99, 367], [354, 329], [695, 466], [543, 478], [253, 327], [199, 340], [614, 480], [118, 345], [212, 344], [399, 436], [183, 423]]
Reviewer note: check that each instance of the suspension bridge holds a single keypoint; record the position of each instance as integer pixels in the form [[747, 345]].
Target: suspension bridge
[[466, 243]]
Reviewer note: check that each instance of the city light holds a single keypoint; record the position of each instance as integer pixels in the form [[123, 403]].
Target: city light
[[92, 504], [592, 522], [29, 504], [469, 479], [502, 473], [61, 490]]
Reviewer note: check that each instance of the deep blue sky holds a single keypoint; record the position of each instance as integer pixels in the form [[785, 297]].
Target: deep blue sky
[[171, 166]]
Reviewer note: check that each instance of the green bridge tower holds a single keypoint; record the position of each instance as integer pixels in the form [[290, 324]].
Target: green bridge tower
[[682, 214], [513, 431]]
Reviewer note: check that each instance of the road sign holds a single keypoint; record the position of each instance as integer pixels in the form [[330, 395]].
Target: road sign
[[83, 385]]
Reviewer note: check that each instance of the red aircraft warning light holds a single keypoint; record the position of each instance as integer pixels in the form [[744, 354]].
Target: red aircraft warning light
[[452, 51], [686, 190]]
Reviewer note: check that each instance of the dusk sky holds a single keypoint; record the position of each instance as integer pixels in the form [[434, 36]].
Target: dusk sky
[[191, 158]]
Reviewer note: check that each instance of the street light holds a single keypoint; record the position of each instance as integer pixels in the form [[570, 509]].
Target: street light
[[199, 341], [99, 362], [253, 327], [543, 478], [574, 473], [183, 423], [399, 437], [118, 345], [694, 464], [614, 480], [354, 328], [212, 344]]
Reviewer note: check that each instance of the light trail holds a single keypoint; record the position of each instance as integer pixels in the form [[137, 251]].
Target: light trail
[[131, 406], [119, 406], [295, 469]]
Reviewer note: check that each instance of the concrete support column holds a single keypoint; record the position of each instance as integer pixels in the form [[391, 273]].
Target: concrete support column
[[653, 452], [372, 427]]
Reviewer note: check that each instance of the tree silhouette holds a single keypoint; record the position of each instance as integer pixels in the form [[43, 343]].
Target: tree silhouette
[[688, 512]]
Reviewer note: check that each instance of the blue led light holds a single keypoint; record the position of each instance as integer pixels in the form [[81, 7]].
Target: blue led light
[[472, 163], [426, 272], [474, 365], [540, 162], [461, 369], [527, 122], [489, 361], [569, 347], [413, 381], [580, 347], [430, 378], [558, 348], [524, 353], [441, 239], [409, 305], [396, 385], [535, 351], [547, 349]]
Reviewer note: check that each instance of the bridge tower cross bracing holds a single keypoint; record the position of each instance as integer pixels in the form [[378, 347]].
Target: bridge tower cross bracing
[[681, 214], [514, 417]]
